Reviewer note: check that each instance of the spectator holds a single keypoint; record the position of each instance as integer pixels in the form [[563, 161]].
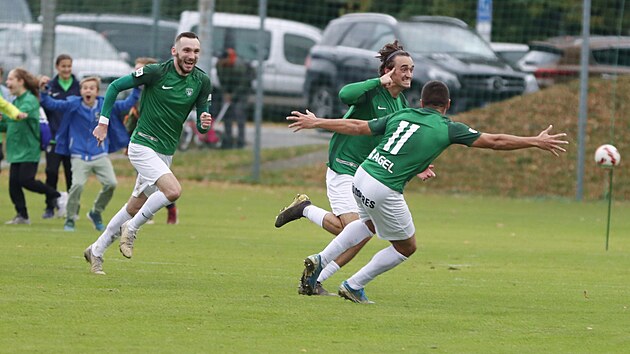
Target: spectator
[[235, 77], [63, 85], [74, 139], [23, 147]]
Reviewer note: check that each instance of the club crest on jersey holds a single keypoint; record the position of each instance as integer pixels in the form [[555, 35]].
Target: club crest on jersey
[[189, 91], [140, 71]]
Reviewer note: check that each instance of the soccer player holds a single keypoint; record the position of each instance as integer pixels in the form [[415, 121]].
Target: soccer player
[[171, 90], [412, 139], [375, 97]]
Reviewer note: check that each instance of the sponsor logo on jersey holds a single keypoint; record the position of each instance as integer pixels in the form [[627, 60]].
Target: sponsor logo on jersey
[[189, 91], [382, 161], [140, 71], [166, 87], [379, 107], [147, 136]]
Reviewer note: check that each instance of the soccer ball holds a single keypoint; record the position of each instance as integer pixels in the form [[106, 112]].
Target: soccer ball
[[607, 156]]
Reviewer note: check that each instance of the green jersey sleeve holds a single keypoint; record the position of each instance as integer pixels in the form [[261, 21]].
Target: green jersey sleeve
[[460, 133], [354, 93], [378, 125]]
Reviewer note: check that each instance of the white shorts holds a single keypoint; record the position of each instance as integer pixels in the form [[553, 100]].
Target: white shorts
[[385, 207], [150, 166], [339, 190]]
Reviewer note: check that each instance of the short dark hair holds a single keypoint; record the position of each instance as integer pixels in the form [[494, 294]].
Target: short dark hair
[[435, 94], [192, 35], [61, 57]]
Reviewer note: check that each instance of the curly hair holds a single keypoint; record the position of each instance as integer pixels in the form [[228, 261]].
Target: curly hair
[[31, 82], [387, 55]]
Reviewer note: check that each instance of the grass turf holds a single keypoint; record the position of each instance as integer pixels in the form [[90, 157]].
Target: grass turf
[[490, 275]]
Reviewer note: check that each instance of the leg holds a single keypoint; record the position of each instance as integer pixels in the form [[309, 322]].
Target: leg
[[67, 170], [354, 233], [171, 218], [169, 190], [105, 174], [15, 191], [81, 172], [241, 118], [383, 261], [52, 176]]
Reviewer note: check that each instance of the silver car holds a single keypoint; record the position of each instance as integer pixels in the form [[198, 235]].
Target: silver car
[[92, 54]]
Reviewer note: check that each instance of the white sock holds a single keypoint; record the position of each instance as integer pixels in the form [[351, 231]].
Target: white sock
[[327, 272], [315, 214], [382, 261], [154, 203], [111, 233], [351, 235]]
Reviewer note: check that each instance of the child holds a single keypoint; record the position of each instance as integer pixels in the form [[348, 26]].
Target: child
[[63, 85], [74, 138], [23, 146]]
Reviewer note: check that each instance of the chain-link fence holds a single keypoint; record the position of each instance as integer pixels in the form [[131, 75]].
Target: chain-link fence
[[495, 56]]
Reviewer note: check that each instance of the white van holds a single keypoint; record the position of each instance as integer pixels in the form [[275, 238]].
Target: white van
[[287, 44], [91, 53]]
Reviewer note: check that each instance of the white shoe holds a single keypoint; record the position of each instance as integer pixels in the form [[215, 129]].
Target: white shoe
[[96, 263], [127, 238]]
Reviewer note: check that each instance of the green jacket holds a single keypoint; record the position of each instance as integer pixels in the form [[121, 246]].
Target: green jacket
[[23, 135]]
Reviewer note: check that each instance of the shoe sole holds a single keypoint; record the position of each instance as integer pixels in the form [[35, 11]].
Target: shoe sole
[[309, 270], [281, 220]]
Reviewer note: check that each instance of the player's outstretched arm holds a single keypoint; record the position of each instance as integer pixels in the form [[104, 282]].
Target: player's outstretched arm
[[543, 141], [344, 126]]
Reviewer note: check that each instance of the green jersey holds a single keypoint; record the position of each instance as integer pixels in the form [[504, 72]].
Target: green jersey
[[367, 100], [167, 99], [412, 139]]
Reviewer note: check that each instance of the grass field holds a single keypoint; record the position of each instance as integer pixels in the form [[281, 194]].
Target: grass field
[[491, 276]]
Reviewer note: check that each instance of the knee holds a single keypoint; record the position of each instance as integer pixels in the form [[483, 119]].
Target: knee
[[172, 193], [110, 186]]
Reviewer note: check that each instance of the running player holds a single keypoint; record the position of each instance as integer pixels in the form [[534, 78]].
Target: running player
[[412, 139], [171, 90], [376, 97]]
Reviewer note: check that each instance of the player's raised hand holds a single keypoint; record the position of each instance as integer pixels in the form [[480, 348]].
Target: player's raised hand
[[206, 120], [386, 79], [551, 142], [302, 120]]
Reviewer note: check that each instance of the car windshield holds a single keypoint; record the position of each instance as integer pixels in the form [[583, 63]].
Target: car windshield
[[440, 38], [81, 45]]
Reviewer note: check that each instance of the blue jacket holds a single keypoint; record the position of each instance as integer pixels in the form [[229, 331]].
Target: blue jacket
[[74, 136], [58, 93]]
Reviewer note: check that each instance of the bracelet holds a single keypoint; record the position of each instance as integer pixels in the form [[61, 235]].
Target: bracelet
[[103, 120]]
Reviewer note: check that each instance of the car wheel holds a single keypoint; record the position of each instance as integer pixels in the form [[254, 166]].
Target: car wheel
[[321, 101]]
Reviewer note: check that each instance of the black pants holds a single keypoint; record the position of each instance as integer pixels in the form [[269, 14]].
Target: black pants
[[235, 113], [53, 161], [1, 157], [22, 175]]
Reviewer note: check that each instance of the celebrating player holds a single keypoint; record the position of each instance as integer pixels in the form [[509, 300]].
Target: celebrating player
[[412, 139], [376, 97], [171, 90]]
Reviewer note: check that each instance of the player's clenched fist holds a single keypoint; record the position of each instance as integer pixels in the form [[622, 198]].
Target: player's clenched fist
[[206, 120]]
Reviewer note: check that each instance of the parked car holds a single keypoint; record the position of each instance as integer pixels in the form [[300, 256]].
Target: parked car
[[443, 48], [510, 52], [557, 59], [15, 11], [286, 46], [133, 35], [92, 54]]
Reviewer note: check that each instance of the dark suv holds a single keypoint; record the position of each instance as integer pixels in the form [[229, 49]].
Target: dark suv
[[443, 48]]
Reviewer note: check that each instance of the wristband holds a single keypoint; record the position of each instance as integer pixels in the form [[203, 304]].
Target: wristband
[[103, 120]]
